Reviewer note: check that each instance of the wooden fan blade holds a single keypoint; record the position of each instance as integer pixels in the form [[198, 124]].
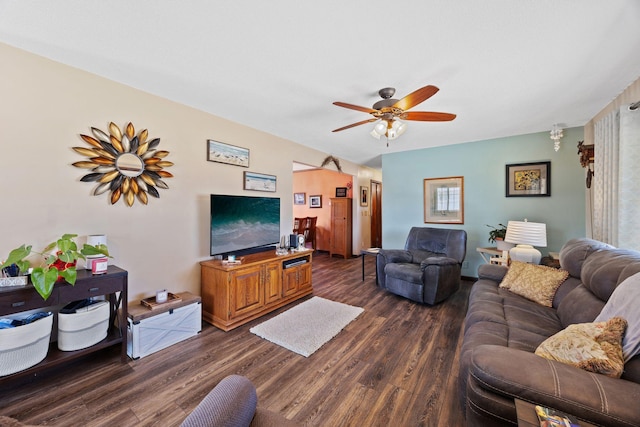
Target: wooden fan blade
[[428, 116], [355, 107], [416, 97], [354, 125]]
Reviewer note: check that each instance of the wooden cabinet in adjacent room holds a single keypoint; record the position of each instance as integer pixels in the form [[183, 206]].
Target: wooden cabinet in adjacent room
[[234, 294], [341, 226]]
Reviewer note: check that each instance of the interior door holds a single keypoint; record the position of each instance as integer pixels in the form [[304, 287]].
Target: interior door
[[376, 214]]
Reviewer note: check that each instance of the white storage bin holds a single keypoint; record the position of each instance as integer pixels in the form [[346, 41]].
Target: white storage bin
[[24, 346], [150, 331], [83, 329]]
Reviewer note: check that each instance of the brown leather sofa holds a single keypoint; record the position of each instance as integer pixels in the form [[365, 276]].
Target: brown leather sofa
[[502, 331]]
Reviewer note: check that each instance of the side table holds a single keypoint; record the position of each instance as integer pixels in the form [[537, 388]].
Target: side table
[[550, 262], [493, 256], [369, 251]]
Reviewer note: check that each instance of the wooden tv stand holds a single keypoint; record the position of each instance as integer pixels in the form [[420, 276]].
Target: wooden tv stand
[[234, 294]]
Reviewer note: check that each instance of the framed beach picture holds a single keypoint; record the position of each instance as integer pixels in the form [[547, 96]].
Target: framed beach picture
[[227, 153], [528, 180], [259, 182], [444, 200]]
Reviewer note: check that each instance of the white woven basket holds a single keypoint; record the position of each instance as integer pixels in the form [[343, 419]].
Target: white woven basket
[[24, 346], [84, 329]]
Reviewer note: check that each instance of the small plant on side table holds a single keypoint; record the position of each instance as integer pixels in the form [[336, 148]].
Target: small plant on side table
[[497, 233]]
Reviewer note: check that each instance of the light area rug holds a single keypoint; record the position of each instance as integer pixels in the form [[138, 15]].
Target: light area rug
[[306, 327]]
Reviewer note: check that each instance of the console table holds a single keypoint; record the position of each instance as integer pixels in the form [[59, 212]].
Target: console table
[[112, 284], [234, 294]]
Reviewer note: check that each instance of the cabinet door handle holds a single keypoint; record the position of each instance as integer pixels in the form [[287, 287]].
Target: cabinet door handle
[[94, 289], [18, 304]]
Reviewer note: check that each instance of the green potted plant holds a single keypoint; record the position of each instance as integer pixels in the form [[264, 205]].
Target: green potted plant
[[497, 234], [60, 262], [16, 266]]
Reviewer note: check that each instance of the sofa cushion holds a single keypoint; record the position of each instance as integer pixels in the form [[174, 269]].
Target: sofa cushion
[[579, 306], [576, 251], [534, 282], [624, 303], [594, 347], [526, 324], [607, 269]]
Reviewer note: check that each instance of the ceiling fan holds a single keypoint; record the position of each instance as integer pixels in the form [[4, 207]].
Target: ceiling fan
[[389, 112]]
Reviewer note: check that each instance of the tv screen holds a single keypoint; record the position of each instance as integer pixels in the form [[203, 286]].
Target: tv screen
[[242, 223]]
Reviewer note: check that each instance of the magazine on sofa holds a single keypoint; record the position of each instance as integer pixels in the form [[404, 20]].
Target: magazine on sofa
[[552, 418]]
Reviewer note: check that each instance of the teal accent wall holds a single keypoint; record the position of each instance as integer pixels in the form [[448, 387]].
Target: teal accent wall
[[482, 164]]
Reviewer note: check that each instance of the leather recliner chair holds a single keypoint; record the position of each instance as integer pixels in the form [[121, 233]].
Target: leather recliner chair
[[428, 269]]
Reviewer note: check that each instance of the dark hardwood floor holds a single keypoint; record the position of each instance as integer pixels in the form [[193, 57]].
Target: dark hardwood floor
[[395, 365]]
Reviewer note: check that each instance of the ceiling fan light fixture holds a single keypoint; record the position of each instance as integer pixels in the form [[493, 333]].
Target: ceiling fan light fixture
[[379, 129]]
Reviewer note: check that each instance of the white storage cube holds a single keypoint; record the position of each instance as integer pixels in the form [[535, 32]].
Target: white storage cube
[[24, 346], [85, 328], [149, 332]]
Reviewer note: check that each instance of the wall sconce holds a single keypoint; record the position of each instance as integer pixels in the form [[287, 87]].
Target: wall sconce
[[556, 135]]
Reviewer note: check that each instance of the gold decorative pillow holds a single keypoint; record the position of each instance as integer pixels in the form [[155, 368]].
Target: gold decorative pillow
[[594, 347], [515, 269], [535, 282]]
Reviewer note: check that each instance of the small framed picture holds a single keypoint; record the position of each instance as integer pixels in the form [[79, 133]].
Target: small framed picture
[[364, 196], [315, 201], [444, 200], [259, 182], [528, 180], [341, 191], [299, 198], [227, 153]]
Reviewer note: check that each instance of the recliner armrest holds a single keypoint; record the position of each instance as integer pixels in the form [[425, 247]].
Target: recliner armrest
[[395, 255], [437, 260], [513, 373]]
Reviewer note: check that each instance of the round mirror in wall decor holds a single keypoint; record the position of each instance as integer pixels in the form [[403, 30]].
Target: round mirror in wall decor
[[126, 164]]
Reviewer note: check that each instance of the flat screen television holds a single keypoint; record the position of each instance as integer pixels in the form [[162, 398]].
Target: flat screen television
[[243, 224]]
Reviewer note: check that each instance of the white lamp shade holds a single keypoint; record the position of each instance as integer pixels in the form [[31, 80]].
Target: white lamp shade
[[526, 233]]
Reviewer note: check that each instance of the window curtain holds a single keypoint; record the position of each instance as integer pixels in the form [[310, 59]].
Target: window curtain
[[629, 180], [616, 181]]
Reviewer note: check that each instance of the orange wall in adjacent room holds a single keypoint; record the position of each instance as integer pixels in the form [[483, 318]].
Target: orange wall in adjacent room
[[319, 182]]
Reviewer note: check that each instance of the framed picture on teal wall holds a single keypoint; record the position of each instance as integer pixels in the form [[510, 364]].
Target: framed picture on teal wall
[[444, 200], [528, 180]]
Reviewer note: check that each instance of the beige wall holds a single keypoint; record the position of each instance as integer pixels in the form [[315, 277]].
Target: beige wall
[[46, 105]]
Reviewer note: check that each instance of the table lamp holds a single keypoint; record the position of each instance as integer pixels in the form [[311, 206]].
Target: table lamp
[[525, 235]]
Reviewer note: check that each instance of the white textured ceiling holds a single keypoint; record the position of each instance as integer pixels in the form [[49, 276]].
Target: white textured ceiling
[[505, 67]]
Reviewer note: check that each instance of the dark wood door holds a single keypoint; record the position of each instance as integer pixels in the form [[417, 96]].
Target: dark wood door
[[376, 214]]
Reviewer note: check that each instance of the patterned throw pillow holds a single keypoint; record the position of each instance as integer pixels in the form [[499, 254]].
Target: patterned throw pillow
[[594, 347], [535, 282]]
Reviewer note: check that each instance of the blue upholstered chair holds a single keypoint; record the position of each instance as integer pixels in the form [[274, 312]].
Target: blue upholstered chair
[[428, 269]]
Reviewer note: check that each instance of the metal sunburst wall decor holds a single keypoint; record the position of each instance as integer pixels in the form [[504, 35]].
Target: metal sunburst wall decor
[[124, 163]]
